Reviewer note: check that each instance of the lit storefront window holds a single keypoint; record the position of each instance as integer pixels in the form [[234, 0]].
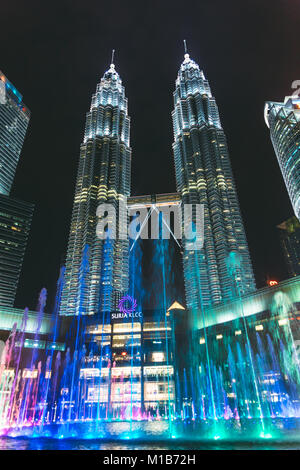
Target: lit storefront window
[[104, 340], [158, 391], [155, 326], [41, 344], [125, 327], [98, 329], [30, 374], [123, 341], [154, 371], [125, 372], [157, 356], [124, 392], [93, 372], [98, 394], [56, 346], [97, 359], [31, 343]]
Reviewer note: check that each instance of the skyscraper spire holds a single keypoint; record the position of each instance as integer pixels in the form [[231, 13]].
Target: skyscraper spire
[[112, 57], [186, 54], [185, 46]]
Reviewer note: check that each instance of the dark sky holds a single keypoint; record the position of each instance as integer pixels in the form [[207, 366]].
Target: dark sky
[[56, 52]]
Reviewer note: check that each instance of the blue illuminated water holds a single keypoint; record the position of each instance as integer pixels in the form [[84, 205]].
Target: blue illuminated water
[[155, 435]]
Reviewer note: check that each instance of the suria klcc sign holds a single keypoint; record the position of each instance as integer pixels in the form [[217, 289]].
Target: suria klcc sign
[[127, 306]]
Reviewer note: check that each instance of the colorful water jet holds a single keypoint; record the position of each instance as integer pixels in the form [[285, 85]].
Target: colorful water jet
[[154, 375]]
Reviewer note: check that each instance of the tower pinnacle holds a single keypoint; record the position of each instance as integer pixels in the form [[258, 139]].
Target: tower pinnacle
[[112, 57], [186, 55], [112, 65], [185, 46]]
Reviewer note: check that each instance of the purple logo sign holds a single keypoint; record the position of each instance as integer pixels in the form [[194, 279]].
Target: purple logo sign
[[124, 302]]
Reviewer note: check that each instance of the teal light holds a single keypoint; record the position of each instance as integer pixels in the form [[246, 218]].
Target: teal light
[[265, 435]]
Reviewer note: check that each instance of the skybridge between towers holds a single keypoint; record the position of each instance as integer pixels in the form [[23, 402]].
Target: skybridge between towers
[[156, 204]]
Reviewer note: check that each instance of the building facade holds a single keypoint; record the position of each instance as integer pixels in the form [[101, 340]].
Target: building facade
[[283, 120], [97, 270], [289, 232], [15, 215], [204, 176], [14, 120], [130, 371], [15, 221]]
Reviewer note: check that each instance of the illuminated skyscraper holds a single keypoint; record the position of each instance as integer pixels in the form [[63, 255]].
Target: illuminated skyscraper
[[14, 119], [15, 215], [15, 221], [283, 120], [97, 270], [204, 176]]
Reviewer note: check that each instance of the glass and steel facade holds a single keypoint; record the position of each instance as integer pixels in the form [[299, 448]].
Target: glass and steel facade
[[15, 221], [131, 369], [204, 176], [283, 120], [289, 232], [103, 177], [15, 215], [14, 119]]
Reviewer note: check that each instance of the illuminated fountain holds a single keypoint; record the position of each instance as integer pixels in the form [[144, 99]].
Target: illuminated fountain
[[158, 375]]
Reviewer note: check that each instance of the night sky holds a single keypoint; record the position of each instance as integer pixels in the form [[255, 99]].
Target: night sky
[[56, 52]]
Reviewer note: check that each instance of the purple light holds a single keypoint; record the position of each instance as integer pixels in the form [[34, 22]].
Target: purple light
[[128, 310]]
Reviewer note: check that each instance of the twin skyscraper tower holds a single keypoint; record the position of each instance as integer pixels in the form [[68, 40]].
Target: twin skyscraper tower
[[97, 271]]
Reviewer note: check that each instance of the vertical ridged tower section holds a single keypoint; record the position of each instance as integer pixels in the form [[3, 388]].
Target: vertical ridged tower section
[[14, 120], [103, 177], [283, 120], [204, 176]]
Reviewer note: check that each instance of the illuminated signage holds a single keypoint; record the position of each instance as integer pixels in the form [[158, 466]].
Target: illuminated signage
[[122, 316], [127, 306], [272, 283]]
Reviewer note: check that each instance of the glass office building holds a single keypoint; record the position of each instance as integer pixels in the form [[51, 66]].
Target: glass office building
[[97, 270], [15, 221], [289, 232], [14, 119], [15, 215], [204, 176], [129, 370], [283, 120]]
